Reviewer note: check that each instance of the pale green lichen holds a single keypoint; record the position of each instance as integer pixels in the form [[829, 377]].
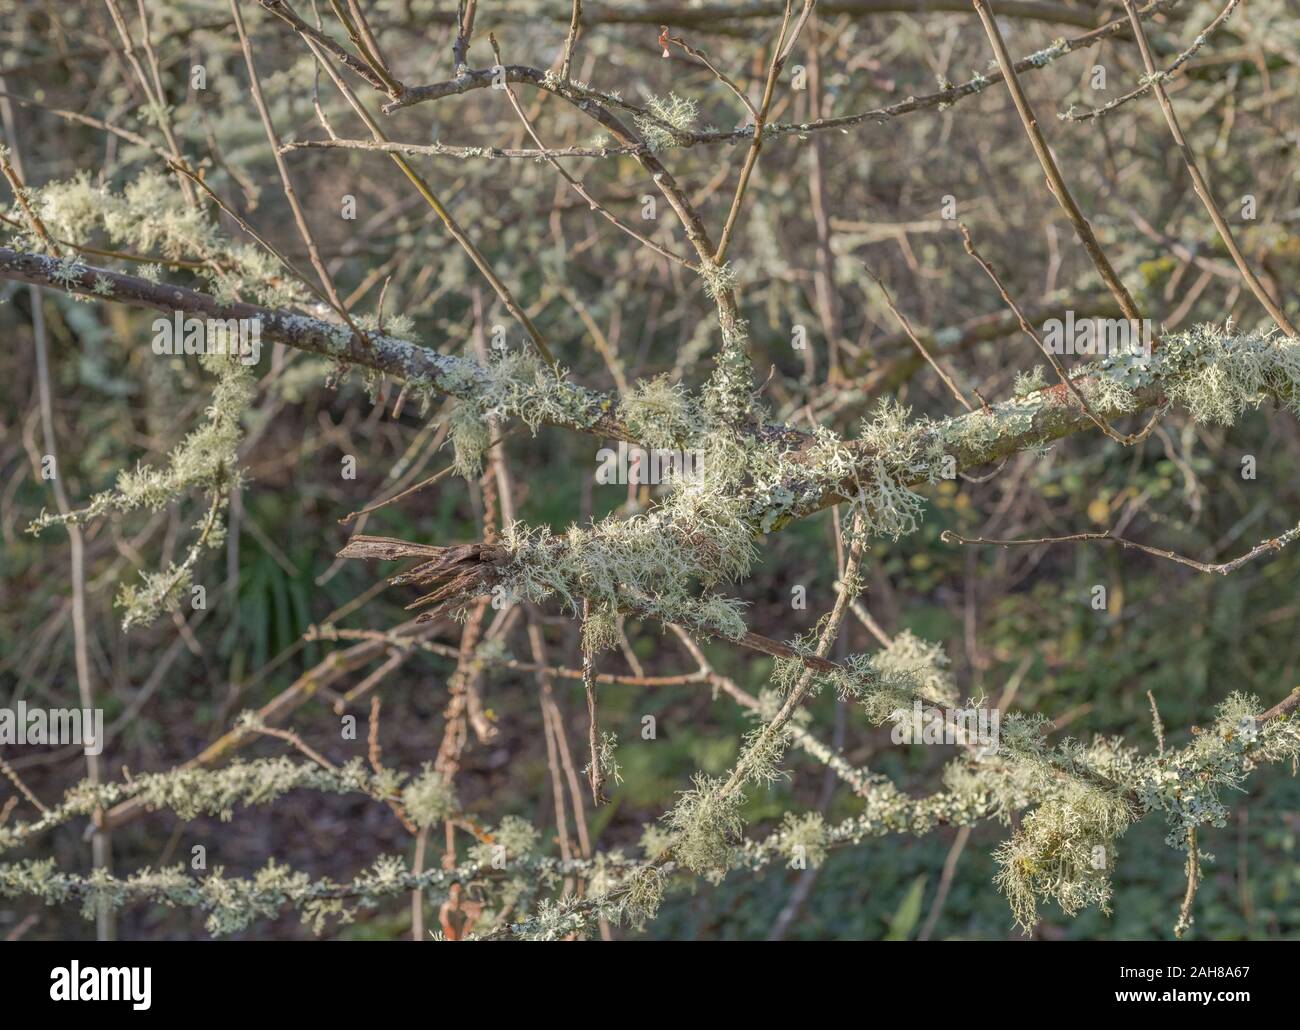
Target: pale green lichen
[[204, 461], [706, 825], [664, 563], [429, 798], [192, 792], [920, 665], [1060, 850], [600, 629], [1029, 382], [151, 216], [1083, 798], [719, 280], [803, 839], [156, 592], [470, 436], [513, 840], [1187, 785], [513, 384], [659, 413], [669, 113], [895, 454], [1217, 375], [607, 758]]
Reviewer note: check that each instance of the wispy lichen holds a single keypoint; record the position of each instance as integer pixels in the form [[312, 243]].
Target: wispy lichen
[[671, 112]]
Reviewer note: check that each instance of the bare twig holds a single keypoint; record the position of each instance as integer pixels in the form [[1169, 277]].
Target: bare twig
[[911, 335], [780, 51], [596, 770], [23, 789], [348, 519], [1270, 546], [101, 841], [570, 40], [1055, 181], [577, 185], [300, 220], [1055, 362], [1169, 72], [444, 215], [465, 10], [1199, 184], [1193, 882]]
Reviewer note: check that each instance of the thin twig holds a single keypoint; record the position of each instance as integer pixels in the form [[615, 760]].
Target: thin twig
[[577, 185], [157, 102], [570, 40], [1052, 359], [23, 789], [596, 770], [911, 335], [101, 840], [718, 74], [1199, 184], [300, 219], [447, 150], [20, 194], [1271, 546], [465, 10], [423, 484], [780, 51], [1193, 882], [1157, 727], [445, 216], [1170, 72], [1055, 181]]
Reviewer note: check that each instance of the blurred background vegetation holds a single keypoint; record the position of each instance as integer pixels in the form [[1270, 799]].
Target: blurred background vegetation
[[1014, 620]]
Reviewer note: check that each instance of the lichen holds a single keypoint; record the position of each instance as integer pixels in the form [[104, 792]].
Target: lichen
[[669, 113]]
